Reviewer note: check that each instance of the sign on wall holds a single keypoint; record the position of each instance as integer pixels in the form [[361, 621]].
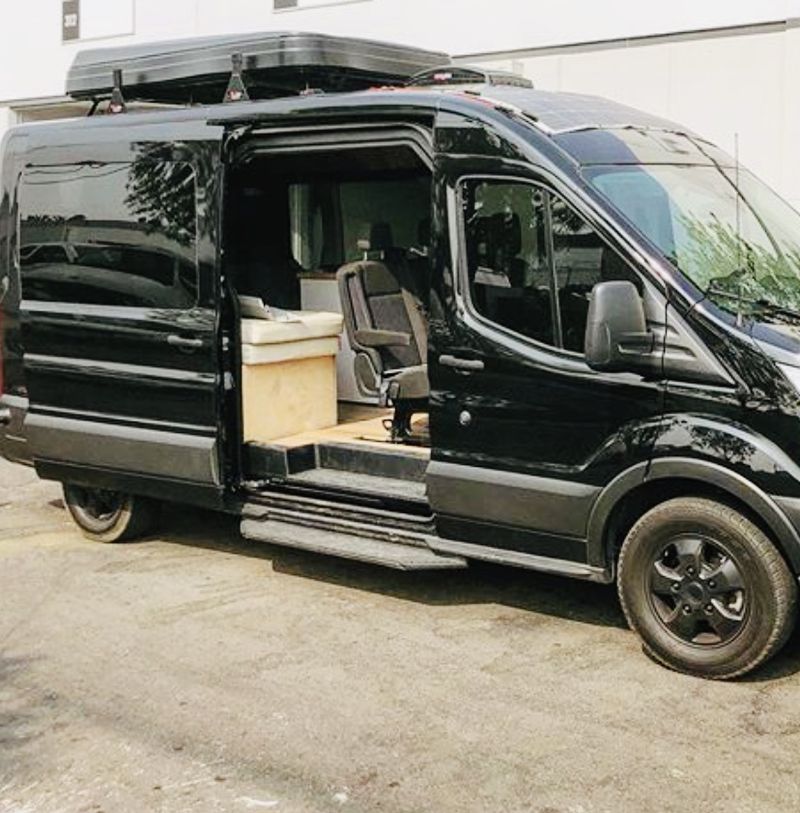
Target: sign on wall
[[70, 20], [96, 19]]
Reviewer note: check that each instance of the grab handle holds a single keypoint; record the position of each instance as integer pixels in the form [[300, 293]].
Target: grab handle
[[465, 365], [184, 343]]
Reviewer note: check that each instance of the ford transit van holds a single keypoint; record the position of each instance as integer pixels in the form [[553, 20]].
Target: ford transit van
[[416, 321]]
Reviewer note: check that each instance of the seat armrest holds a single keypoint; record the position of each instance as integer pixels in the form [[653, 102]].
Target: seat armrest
[[382, 338]]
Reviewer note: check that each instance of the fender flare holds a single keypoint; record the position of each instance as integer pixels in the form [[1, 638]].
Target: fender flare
[[702, 471]]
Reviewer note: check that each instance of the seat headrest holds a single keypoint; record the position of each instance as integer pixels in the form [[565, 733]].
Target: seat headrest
[[499, 237], [505, 233], [378, 280], [380, 237]]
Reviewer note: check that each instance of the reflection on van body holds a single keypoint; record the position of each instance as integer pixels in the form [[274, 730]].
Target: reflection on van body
[[109, 235], [98, 274]]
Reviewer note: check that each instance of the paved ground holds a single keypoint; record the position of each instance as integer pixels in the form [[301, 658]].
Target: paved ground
[[197, 672]]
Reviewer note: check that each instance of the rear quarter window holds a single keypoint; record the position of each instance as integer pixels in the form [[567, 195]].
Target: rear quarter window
[[120, 234]]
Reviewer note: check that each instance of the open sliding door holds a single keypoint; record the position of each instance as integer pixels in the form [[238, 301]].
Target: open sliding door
[[117, 254]]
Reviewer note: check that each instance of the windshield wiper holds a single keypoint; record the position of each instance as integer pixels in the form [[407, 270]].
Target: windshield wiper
[[762, 305]]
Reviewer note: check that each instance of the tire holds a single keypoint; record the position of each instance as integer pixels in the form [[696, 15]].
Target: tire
[[109, 516], [705, 589]]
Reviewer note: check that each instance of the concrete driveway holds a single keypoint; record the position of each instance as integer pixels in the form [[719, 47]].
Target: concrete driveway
[[195, 671]]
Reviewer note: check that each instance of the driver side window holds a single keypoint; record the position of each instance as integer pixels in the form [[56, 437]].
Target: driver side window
[[532, 261]]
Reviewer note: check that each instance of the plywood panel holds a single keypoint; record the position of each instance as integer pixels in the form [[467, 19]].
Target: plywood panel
[[288, 398]]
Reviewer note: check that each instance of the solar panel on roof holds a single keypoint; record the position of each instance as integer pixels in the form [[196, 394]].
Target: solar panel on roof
[[559, 112]]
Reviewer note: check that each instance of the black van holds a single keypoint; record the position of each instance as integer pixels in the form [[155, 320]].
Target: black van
[[414, 320]]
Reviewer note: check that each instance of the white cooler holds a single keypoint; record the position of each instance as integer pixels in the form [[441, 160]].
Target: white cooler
[[289, 375]]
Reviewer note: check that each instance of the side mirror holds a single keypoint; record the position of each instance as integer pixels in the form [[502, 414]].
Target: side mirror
[[617, 339]]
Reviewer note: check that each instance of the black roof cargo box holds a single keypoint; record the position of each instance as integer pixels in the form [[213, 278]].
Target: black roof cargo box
[[275, 64]]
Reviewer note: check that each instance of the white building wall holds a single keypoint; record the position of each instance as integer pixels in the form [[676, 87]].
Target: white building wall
[[718, 86], [33, 59], [716, 83]]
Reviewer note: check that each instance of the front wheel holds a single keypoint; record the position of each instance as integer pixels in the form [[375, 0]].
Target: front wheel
[[706, 590], [109, 516]]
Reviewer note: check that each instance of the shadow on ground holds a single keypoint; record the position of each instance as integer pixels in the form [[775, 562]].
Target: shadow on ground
[[479, 584]]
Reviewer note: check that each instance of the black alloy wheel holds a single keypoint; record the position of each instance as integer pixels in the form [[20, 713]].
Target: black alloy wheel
[[698, 592], [705, 588]]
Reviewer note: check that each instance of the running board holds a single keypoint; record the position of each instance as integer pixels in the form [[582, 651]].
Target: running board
[[544, 564], [396, 550]]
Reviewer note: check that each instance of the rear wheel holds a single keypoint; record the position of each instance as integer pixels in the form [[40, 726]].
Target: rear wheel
[[109, 516], [706, 590]]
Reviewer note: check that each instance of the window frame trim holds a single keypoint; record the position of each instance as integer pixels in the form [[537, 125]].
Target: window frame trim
[[550, 258]]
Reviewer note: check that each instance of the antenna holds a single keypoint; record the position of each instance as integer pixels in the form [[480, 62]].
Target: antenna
[[117, 103], [738, 228], [236, 91]]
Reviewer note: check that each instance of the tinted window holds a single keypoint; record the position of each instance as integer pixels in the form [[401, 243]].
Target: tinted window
[[111, 234], [524, 246], [508, 273], [581, 260]]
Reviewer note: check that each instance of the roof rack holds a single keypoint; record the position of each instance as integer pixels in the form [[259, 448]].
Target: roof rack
[[117, 102], [443, 75], [268, 65]]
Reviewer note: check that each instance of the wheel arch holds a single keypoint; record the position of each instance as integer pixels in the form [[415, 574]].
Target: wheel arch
[[643, 486]]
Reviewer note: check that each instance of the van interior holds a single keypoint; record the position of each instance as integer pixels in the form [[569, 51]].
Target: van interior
[[328, 255]]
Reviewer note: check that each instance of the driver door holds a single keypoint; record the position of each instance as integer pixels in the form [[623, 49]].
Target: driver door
[[525, 435]]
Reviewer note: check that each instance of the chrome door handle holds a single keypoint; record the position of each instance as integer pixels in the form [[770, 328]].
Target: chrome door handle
[[465, 365], [184, 343]]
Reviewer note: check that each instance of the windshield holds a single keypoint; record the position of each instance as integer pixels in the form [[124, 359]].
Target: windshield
[[742, 251]]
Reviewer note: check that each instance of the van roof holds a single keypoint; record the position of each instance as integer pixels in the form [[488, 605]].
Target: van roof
[[554, 112], [583, 126], [278, 66]]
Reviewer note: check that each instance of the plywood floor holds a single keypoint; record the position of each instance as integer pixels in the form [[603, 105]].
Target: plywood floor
[[358, 424]]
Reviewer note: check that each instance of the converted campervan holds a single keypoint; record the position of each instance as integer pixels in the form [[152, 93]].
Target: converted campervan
[[388, 308]]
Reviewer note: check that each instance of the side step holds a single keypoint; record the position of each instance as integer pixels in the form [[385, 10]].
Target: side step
[[397, 550]]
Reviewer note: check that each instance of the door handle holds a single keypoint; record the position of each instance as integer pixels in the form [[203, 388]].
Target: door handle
[[464, 365], [184, 343]]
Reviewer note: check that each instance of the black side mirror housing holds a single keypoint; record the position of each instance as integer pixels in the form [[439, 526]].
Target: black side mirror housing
[[617, 338]]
